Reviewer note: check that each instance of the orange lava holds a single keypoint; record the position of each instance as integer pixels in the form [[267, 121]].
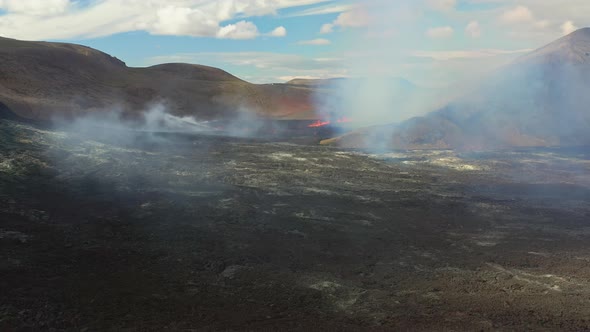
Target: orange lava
[[319, 123], [322, 123]]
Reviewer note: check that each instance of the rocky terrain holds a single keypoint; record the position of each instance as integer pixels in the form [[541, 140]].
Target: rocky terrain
[[42, 80], [539, 100], [149, 232]]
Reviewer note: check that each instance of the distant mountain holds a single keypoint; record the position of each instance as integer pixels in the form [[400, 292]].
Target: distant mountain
[[366, 100], [394, 83], [39, 80], [541, 99]]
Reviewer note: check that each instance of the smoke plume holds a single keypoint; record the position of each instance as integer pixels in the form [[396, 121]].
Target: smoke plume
[[539, 100], [117, 124], [374, 93]]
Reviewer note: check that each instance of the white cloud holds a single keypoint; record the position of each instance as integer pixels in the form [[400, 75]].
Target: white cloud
[[240, 30], [327, 28], [65, 19], [440, 32], [172, 20], [355, 18], [35, 7], [519, 14], [319, 41], [560, 11], [568, 27], [473, 29], [537, 22], [279, 32]]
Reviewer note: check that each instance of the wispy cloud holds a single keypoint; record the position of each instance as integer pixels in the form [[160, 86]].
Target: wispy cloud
[[332, 8], [519, 14], [65, 19], [506, 24], [465, 54], [318, 41], [354, 17]]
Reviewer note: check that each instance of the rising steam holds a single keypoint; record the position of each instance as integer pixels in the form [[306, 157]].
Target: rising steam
[[374, 94], [157, 119], [539, 101]]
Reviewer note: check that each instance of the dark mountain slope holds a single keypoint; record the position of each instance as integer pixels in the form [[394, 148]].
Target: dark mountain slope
[[39, 80], [541, 99]]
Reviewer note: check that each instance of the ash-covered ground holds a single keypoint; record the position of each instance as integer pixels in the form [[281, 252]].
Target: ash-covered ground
[[159, 232]]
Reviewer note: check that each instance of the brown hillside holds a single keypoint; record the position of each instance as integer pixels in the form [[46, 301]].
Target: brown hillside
[[39, 80]]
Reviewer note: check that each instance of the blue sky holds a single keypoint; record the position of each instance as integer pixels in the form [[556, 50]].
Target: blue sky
[[430, 42]]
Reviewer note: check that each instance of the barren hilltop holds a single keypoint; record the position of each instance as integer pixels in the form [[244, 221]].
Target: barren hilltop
[[42, 79]]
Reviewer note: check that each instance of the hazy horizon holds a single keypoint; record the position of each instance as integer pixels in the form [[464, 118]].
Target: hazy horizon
[[432, 43]]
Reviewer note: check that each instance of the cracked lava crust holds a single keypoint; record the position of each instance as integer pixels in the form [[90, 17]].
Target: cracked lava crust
[[212, 233]]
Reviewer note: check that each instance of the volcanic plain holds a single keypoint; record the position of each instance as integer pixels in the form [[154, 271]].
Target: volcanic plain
[[141, 231]]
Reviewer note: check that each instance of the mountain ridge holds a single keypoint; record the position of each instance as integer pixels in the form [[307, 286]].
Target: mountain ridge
[[573, 48], [41, 80]]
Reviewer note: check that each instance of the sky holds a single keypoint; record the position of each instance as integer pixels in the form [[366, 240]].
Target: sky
[[433, 43]]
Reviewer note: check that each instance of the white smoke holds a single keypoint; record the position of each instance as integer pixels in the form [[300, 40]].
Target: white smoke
[[158, 119], [375, 94]]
